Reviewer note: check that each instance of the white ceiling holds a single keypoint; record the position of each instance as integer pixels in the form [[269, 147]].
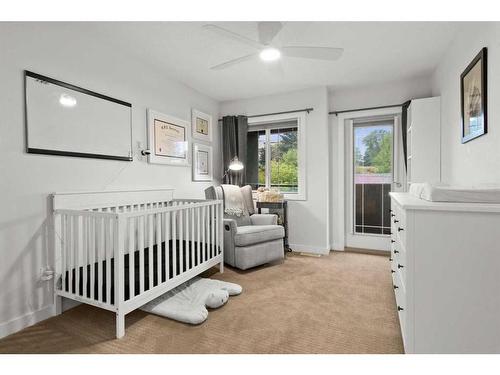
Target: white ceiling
[[374, 52]]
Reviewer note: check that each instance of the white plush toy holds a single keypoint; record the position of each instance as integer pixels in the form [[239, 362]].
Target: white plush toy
[[186, 303]]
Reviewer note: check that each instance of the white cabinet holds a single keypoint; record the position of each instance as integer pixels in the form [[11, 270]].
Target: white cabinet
[[445, 264], [424, 140]]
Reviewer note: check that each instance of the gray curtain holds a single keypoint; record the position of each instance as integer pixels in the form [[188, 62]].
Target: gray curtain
[[404, 126], [234, 143]]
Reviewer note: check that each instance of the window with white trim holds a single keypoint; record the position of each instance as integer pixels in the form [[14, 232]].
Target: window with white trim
[[276, 157]]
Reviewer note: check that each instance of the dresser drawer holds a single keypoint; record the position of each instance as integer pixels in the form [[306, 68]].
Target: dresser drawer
[[398, 283], [398, 224], [401, 302], [398, 260]]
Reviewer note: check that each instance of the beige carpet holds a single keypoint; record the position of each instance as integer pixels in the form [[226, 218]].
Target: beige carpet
[[341, 303]]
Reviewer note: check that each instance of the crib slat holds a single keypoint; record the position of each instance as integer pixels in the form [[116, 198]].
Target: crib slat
[[209, 231], [191, 242], [167, 244], [187, 223], [174, 243], [64, 231], [150, 250], [216, 229], [212, 227], [70, 253], [77, 254], [131, 257], [203, 238], [92, 256], [181, 241], [84, 254], [141, 248], [100, 250], [216, 223], [108, 249], [198, 234], [221, 228], [158, 248]]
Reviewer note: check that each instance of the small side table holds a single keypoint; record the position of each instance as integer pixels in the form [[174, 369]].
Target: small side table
[[280, 209]]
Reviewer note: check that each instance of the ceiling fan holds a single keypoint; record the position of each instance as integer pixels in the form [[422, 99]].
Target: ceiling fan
[[267, 50]]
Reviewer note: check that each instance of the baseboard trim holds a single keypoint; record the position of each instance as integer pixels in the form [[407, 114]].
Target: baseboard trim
[[309, 249], [337, 246], [367, 251], [17, 324]]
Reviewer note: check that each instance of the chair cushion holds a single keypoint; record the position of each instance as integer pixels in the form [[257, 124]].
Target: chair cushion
[[252, 234]]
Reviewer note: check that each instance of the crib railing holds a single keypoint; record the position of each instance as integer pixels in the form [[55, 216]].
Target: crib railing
[[119, 258]]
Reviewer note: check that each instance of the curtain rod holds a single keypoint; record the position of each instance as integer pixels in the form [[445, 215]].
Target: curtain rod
[[366, 109], [281, 113]]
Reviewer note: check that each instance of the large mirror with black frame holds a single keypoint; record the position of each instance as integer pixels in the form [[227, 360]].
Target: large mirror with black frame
[[64, 119]]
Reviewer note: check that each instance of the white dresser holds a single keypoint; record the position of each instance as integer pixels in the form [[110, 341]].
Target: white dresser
[[445, 264]]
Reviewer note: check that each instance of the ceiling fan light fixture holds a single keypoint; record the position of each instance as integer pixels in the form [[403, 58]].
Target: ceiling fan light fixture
[[270, 54]]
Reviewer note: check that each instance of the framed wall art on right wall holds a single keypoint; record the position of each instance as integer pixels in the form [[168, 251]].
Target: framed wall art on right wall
[[473, 95]]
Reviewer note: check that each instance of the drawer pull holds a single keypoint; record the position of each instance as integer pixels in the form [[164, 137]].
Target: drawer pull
[[395, 286], [396, 252], [396, 221], [400, 266], [392, 241], [390, 259], [400, 229], [392, 215], [400, 308], [392, 271]]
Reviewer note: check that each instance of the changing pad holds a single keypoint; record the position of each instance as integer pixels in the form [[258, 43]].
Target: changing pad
[[443, 193]]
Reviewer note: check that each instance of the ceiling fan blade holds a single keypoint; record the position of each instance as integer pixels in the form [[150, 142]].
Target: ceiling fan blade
[[268, 30], [229, 63], [232, 35], [317, 53]]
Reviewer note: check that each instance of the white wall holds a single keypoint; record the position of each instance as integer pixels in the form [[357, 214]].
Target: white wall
[[379, 95], [363, 97], [27, 179], [308, 220], [478, 161]]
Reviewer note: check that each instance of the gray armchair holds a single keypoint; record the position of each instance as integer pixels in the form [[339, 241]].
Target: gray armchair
[[250, 239]]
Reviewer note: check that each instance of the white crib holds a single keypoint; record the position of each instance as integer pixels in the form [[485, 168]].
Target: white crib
[[118, 250]]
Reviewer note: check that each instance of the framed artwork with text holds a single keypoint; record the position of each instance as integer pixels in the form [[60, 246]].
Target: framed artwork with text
[[168, 139], [202, 126], [202, 162]]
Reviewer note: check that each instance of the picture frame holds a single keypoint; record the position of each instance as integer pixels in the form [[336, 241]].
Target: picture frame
[[202, 162], [473, 98], [201, 124], [168, 139], [100, 126]]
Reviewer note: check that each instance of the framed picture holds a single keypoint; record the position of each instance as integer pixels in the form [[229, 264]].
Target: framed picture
[[168, 139], [67, 120], [202, 162], [473, 92], [202, 126]]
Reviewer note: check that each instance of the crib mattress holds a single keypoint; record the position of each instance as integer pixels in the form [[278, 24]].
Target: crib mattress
[[442, 193], [187, 262]]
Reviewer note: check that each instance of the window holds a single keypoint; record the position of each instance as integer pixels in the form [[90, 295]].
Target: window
[[275, 157]]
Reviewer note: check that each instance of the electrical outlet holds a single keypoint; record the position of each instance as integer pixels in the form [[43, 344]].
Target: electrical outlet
[[46, 274]]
